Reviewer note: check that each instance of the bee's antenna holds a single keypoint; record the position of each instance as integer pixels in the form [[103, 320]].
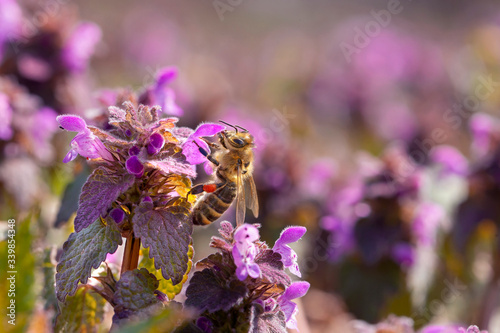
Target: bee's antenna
[[244, 129], [235, 127]]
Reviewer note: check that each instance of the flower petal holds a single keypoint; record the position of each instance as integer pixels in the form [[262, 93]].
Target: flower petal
[[208, 129], [254, 270], [70, 156], [134, 166], [290, 235], [72, 123], [296, 290]]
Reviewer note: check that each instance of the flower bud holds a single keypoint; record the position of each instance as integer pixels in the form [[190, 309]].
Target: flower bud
[[134, 166], [156, 142], [117, 214]]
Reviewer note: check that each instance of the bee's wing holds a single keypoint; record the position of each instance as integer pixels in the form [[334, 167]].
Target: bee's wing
[[251, 198], [240, 199]]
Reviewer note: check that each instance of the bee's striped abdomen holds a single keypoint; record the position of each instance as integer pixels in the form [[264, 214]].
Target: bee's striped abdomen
[[214, 204]]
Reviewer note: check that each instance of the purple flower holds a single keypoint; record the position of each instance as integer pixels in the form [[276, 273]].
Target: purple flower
[[117, 214], [156, 142], [5, 118], [164, 96], [84, 143], [80, 46], [450, 160], [295, 290], [134, 166], [244, 251], [191, 148], [288, 256]]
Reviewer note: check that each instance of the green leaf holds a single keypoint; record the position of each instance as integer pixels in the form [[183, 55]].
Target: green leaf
[[135, 298], [82, 312], [82, 252], [135, 290], [23, 286], [99, 192], [166, 286], [167, 234]]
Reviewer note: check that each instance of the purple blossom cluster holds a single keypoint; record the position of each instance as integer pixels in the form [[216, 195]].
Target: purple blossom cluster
[[248, 283]]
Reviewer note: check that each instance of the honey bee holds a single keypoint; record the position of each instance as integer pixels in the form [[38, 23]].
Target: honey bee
[[233, 159]]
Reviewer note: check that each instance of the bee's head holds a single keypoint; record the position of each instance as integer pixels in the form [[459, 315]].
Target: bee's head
[[235, 139]]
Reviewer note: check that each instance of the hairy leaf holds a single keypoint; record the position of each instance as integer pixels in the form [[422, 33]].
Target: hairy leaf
[[135, 297], [267, 322], [209, 292], [98, 193], [135, 290], [82, 252], [272, 268], [167, 234], [82, 312]]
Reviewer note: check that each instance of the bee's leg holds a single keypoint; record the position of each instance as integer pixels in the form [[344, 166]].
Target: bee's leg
[[209, 188], [207, 155]]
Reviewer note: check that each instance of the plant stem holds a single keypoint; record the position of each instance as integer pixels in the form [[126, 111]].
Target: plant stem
[[131, 253]]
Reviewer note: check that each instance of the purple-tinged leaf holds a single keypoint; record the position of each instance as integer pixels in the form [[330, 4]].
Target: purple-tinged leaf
[[167, 234], [209, 292], [272, 267], [84, 251], [135, 290], [98, 193]]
